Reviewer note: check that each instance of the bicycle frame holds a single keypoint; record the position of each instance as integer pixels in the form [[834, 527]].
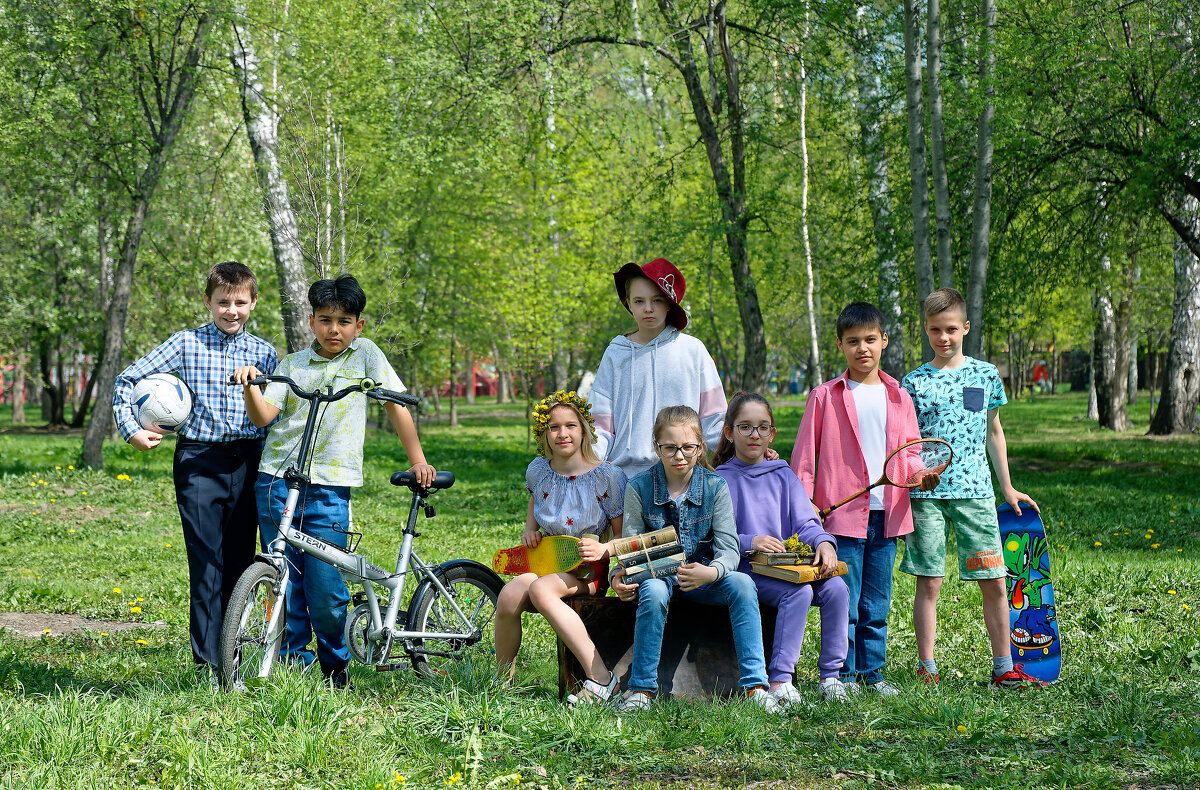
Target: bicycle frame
[[383, 624]]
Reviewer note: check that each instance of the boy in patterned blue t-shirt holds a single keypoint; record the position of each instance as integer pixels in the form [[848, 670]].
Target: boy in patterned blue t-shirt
[[958, 399]]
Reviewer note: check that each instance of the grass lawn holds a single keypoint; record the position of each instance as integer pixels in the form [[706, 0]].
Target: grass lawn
[[125, 709]]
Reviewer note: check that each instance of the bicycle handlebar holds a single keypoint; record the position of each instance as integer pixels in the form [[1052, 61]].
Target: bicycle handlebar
[[368, 387]]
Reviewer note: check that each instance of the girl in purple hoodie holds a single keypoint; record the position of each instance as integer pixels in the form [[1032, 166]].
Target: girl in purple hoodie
[[770, 506]]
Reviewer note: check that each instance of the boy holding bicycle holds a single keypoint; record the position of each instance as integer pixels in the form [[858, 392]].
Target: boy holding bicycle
[[317, 594], [850, 425], [958, 399]]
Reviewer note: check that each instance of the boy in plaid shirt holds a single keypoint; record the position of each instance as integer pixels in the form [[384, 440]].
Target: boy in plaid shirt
[[217, 453]]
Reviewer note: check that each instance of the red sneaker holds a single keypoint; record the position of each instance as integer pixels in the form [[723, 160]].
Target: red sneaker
[[925, 676], [1016, 679]]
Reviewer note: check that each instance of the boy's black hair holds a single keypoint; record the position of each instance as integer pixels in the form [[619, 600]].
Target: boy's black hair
[[858, 314], [344, 293]]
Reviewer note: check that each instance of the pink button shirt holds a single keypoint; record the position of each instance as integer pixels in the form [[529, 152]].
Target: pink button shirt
[[828, 457]]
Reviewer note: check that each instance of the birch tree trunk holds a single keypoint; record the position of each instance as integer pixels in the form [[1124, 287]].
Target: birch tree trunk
[[262, 129], [937, 135], [870, 120], [1108, 372], [814, 340], [918, 168], [981, 213], [18, 388], [1176, 411], [175, 99], [730, 187]]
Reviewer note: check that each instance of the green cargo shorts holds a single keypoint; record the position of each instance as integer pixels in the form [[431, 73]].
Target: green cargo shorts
[[976, 532]]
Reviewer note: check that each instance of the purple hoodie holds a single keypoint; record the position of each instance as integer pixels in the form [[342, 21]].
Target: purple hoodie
[[768, 499]]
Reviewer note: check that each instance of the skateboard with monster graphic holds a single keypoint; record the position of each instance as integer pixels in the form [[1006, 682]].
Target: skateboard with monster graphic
[[1032, 614]]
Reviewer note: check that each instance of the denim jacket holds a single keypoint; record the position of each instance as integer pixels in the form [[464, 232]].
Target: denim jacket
[[705, 524]]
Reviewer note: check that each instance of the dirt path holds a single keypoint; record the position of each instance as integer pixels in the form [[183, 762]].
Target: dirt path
[[32, 625]]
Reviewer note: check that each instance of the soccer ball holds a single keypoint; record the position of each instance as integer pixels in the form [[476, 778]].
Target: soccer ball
[[161, 402]]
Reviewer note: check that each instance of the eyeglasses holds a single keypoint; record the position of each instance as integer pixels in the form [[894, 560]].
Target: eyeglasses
[[688, 450], [746, 429]]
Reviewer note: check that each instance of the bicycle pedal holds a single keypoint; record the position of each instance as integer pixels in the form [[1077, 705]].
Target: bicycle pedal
[[397, 667]]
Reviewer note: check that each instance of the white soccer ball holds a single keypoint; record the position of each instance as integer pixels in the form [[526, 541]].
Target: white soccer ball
[[161, 402]]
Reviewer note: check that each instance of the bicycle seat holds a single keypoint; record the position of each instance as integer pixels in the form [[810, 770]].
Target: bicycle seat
[[440, 480]]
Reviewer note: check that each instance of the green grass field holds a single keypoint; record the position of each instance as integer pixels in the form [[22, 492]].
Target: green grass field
[[125, 709]]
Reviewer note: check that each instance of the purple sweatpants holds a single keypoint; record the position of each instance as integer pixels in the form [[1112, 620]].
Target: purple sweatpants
[[792, 601]]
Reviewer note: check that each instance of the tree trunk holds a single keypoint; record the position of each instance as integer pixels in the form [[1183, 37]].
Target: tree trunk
[[918, 168], [469, 377], [262, 129], [1093, 407], [937, 130], [18, 390], [52, 405], [1107, 371], [870, 119], [453, 382], [1176, 411], [165, 129], [814, 338], [730, 189], [981, 213], [85, 399]]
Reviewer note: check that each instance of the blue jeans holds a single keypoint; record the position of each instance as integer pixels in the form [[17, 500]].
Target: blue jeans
[[736, 591], [869, 565], [316, 593]]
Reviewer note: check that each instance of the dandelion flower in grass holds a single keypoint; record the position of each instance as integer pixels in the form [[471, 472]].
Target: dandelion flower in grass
[[136, 609], [1170, 592], [168, 545], [1187, 608], [69, 466], [117, 590], [141, 600], [1154, 545], [58, 467], [961, 728], [141, 642], [70, 530], [103, 633], [1098, 543], [45, 630]]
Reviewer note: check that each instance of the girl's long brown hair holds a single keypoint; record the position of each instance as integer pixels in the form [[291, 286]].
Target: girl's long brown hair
[[725, 449]]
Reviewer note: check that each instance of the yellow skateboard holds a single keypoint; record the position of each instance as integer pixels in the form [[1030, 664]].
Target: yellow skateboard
[[555, 554]]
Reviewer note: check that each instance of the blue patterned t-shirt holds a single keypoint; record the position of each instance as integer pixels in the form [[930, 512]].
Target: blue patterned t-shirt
[[953, 405]]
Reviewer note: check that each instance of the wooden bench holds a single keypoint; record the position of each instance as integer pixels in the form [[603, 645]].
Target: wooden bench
[[698, 660]]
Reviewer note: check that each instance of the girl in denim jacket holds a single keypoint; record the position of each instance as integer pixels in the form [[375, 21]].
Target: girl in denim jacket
[[682, 491]]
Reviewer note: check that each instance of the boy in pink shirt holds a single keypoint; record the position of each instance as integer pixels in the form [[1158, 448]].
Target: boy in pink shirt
[[849, 426]]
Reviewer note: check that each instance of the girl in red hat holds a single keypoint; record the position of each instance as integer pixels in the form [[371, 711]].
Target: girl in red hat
[[652, 367]]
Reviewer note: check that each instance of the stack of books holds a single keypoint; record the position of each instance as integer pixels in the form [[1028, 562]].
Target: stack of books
[[652, 555], [789, 565]]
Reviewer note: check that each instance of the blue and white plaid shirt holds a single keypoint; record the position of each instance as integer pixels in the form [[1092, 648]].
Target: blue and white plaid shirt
[[204, 358]]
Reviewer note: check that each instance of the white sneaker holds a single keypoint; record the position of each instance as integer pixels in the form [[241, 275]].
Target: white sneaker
[[852, 687], [883, 689], [632, 701], [764, 699], [787, 695], [833, 690]]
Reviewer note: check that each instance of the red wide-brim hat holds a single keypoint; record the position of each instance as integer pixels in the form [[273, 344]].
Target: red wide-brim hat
[[665, 277]]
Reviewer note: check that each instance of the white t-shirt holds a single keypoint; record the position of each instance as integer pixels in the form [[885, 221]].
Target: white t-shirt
[[870, 403]]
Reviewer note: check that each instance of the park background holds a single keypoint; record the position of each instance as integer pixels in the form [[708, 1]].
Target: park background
[[483, 167]]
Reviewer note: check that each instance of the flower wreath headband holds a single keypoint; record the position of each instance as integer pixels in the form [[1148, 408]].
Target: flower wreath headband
[[541, 413]]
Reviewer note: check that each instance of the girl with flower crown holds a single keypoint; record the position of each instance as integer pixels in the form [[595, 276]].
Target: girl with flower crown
[[571, 492]]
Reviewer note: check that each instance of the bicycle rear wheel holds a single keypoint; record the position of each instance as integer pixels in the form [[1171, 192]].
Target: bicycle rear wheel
[[248, 648], [475, 590]]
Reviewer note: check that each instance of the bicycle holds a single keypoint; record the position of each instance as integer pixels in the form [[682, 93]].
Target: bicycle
[[451, 612]]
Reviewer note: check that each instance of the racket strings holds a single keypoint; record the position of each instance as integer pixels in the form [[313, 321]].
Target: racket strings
[[909, 465]]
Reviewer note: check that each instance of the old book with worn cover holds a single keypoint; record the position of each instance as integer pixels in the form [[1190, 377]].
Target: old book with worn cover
[[648, 555], [655, 569], [800, 574], [781, 557], [646, 540]]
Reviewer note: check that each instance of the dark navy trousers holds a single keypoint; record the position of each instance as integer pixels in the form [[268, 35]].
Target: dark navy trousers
[[214, 488]]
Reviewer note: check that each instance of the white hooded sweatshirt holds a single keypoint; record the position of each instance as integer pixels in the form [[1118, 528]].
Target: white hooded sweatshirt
[[634, 382]]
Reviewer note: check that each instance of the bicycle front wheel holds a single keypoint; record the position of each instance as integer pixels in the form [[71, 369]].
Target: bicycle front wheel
[[249, 648], [475, 590]]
